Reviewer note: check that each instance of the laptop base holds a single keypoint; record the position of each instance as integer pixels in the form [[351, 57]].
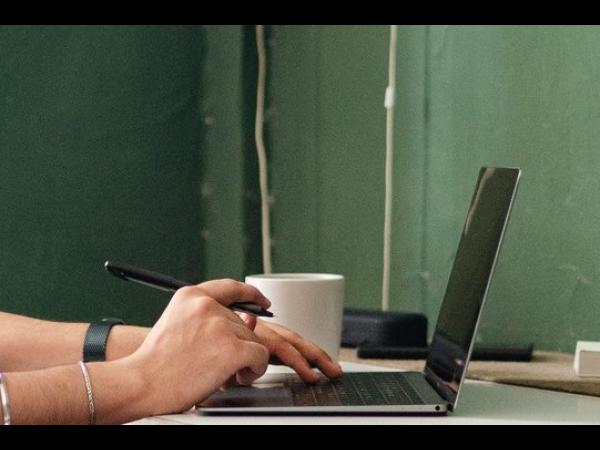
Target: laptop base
[[354, 393]]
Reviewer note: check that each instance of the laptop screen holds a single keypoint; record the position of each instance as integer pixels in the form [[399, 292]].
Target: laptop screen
[[469, 280]]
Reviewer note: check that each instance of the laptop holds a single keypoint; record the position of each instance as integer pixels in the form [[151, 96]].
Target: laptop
[[436, 389]]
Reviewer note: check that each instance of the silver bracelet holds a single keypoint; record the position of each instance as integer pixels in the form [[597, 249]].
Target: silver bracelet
[[4, 400], [88, 388]]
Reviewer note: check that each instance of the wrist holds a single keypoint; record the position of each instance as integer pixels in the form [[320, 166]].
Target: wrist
[[124, 340], [121, 391]]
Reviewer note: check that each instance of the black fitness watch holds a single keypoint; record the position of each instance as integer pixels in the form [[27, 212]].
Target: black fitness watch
[[94, 344]]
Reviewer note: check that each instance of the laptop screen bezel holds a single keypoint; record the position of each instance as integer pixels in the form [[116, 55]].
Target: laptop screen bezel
[[434, 380]]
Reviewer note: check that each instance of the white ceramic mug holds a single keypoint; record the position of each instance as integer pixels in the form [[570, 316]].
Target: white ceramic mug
[[310, 304]]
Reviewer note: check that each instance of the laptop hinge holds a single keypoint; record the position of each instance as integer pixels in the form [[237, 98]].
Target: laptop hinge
[[438, 387]]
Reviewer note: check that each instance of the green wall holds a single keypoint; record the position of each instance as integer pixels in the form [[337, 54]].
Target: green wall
[[100, 141], [328, 159], [136, 143], [467, 97], [523, 96]]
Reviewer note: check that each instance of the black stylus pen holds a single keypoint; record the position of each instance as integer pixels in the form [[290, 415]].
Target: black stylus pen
[[166, 283]]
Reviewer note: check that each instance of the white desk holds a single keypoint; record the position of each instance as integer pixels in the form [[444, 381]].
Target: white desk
[[480, 402]]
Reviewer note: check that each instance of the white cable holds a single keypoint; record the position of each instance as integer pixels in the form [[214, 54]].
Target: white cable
[[389, 147], [260, 148]]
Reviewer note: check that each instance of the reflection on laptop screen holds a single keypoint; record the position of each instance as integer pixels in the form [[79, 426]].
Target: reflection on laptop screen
[[469, 279]]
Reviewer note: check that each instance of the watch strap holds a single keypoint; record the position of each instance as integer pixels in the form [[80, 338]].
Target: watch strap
[[96, 337]]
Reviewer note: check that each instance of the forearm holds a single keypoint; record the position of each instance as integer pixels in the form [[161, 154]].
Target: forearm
[[58, 395], [28, 344]]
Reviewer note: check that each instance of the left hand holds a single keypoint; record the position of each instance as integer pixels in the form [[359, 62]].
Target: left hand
[[293, 350]]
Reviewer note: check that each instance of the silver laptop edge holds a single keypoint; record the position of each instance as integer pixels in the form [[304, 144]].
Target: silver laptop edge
[[430, 376]]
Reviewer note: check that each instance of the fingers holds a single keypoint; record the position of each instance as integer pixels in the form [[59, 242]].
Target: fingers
[[243, 377], [291, 357], [191, 296], [228, 291], [249, 320], [285, 353], [243, 332], [233, 316], [254, 359], [225, 292], [309, 351], [230, 382]]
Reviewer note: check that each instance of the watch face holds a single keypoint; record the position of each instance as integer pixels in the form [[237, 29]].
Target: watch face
[[113, 321]]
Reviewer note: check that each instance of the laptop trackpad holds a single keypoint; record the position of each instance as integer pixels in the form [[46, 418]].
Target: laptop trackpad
[[270, 390]]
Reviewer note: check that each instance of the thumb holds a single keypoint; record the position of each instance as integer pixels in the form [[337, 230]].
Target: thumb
[[254, 357], [245, 376]]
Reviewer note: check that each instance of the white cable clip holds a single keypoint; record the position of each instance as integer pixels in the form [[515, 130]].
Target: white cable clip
[[389, 97]]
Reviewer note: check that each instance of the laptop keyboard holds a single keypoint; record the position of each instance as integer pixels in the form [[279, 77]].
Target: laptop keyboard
[[377, 388]]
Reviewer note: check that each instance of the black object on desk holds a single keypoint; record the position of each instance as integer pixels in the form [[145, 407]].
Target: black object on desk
[[384, 329], [479, 353]]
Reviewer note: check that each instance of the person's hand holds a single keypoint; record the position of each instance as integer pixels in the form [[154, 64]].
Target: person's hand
[[196, 346], [125, 339], [289, 348], [285, 346]]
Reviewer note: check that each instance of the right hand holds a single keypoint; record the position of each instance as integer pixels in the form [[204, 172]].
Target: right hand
[[194, 348]]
